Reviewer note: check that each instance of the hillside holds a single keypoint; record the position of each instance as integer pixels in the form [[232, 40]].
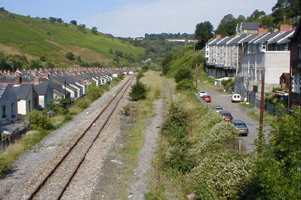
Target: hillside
[[35, 37]]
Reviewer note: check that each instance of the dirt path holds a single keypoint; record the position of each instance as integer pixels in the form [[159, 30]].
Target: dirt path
[[144, 170]]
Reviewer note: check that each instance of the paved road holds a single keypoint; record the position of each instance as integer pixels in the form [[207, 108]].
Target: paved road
[[238, 112]]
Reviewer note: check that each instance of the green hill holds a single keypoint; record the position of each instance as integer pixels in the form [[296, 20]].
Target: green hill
[[35, 37]]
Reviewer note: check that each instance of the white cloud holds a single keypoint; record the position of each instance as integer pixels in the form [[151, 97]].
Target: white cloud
[[132, 20]]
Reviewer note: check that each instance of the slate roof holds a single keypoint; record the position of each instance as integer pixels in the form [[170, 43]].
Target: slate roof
[[248, 26], [215, 41], [236, 40], [54, 86], [266, 37], [41, 87], [248, 38], [2, 90], [22, 90], [224, 41], [279, 37]]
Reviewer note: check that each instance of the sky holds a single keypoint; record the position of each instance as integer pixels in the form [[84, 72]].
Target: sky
[[135, 18]]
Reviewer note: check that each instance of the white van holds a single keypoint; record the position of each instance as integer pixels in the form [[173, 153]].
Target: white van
[[236, 98]]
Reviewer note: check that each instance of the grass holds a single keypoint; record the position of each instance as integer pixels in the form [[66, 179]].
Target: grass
[[53, 40], [12, 152], [267, 118], [246, 105]]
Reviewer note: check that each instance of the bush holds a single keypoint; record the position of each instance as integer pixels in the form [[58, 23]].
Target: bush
[[182, 74], [4, 167], [93, 92], [39, 120], [138, 91], [82, 103], [185, 85], [70, 56]]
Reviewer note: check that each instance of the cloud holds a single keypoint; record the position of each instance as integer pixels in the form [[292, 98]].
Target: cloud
[[136, 19]]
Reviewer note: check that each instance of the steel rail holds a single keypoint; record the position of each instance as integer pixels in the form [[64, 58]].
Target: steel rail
[[40, 185]]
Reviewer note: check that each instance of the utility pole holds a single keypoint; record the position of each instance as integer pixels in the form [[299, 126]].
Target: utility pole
[[261, 105], [196, 77]]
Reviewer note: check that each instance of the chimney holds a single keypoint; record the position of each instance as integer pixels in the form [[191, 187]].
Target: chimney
[[286, 27], [36, 80], [46, 75], [262, 31], [18, 80], [218, 36]]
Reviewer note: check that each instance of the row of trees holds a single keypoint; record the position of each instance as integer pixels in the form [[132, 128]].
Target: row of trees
[[164, 36]]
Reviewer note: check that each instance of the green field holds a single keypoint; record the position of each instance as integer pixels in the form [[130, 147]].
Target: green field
[[36, 37]]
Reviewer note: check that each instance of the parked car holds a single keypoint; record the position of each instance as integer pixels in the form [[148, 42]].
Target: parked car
[[202, 93], [241, 127], [226, 115], [218, 108], [207, 98], [236, 98]]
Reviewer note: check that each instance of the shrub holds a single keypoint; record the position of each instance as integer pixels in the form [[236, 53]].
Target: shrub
[[93, 92], [4, 167], [82, 103], [185, 85], [70, 56], [182, 74], [39, 120], [138, 91]]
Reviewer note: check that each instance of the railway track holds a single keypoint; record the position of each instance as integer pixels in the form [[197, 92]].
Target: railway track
[[53, 183]]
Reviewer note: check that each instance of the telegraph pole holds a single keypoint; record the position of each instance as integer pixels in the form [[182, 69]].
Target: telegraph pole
[[196, 77], [261, 105]]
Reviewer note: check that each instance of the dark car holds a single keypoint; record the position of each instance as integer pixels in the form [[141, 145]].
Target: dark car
[[207, 98], [241, 127], [218, 108], [226, 115]]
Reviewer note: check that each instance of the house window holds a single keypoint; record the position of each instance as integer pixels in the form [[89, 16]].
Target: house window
[[3, 111], [13, 110], [299, 50], [35, 103]]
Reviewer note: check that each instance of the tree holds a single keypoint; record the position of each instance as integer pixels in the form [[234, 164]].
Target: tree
[[284, 10], [203, 32], [82, 27], [256, 15], [74, 22], [227, 26], [70, 56], [138, 91], [59, 20], [94, 30], [52, 19], [182, 74]]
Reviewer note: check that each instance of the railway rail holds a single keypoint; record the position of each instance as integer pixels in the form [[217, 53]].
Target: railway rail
[[53, 183]]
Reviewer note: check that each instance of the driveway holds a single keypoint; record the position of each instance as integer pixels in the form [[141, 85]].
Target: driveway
[[238, 112]]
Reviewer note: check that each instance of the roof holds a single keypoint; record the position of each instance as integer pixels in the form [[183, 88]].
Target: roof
[[248, 38], [279, 37], [224, 41], [248, 26], [235, 121], [2, 90], [236, 39], [266, 37], [22, 90], [214, 42], [41, 87], [286, 75]]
